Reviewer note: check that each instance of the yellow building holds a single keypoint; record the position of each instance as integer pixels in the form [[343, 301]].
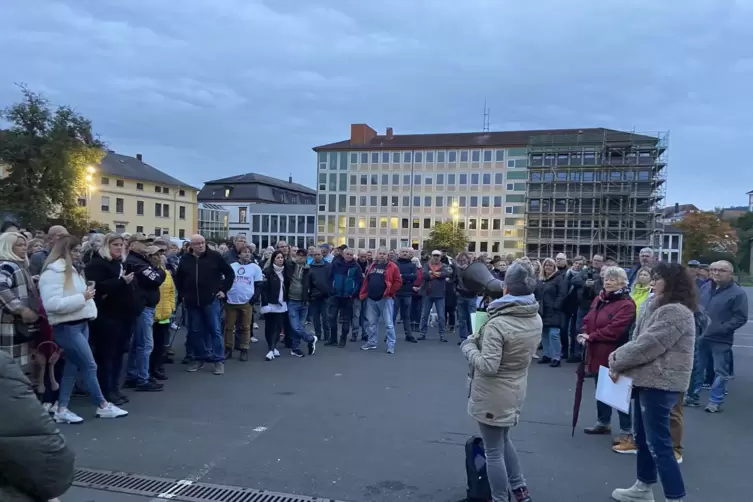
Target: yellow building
[[132, 196]]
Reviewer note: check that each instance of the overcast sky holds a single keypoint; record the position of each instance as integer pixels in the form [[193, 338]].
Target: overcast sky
[[212, 88]]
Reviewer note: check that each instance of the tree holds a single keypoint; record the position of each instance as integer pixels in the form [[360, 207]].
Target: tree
[[446, 236], [705, 234], [47, 152], [744, 228]]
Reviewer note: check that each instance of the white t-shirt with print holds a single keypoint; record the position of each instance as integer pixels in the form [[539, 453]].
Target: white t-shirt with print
[[243, 286]]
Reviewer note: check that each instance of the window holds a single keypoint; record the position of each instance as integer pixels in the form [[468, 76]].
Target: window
[[440, 156], [165, 190], [181, 193], [372, 222], [440, 179], [384, 201], [165, 211], [158, 209], [498, 178], [487, 179], [394, 223], [396, 179], [375, 157], [353, 180], [484, 224], [332, 203], [140, 186], [374, 179], [474, 178], [510, 187], [439, 202], [242, 214], [452, 156], [352, 201], [497, 201], [487, 155], [352, 222], [382, 222], [395, 157], [508, 210], [343, 182], [429, 157], [485, 201], [140, 207], [362, 201], [484, 247], [464, 156], [427, 201], [364, 158], [181, 233], [496, 224], [404, 223], [105, 204], [361, 243], [472, 224], [476, 155], [427, 222], [406, 179], [119, 205], [451, 179], [407, 156], [255, 223], [158, 189], [418, 157], [273, 221], [373, 201], [406, 200], [372, 243], [385, 179], [474, 201], [139, 229], [385, 157], [121, 184], [395, 200], [364, 179], [428, 180], [416, 201], [354, 157], [499, 155], [463, 179], [416, 179], [309, 224], [462, 201], [105, 181], [416, 223], [157, 231]]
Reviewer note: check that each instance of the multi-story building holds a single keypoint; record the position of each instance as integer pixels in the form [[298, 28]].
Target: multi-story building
[[266, 209], [131, 196], [670, 245], [594, 191], [390, 190], [213, 221]]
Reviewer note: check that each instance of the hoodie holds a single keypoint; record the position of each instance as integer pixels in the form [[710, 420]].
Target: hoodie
[[409, 274], [346, 279], [320, 273]]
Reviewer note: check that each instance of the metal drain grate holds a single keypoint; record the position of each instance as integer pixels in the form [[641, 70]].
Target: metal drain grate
[[184, 491]]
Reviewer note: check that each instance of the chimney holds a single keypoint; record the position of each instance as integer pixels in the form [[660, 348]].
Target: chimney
[[361, 134], [677, 207], [389, 133], [139, 157], [290, 179]]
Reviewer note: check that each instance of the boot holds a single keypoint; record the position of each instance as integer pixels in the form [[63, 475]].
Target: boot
[[343, 341], [640, 491]]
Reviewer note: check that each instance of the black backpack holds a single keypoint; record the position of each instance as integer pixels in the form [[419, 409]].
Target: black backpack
[[475, 470]]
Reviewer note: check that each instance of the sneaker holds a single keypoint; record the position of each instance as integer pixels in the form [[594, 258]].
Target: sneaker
[[159, 375], [706, 386], [678, 457], [173, 325], [535, 356], [186, 360], [342, 342], [256, 326], [598, 429], [270, 356], [276, 353], [244, 355], [66, 416], [366, 346], [443, 339], [639, 492], [254, 339], [691, 403], [626, 446], [544, 360], [522, 494], [118, 400], [390, 350], [354, 338], [150, 386], [555, 363], [411, 339], [297, 353], [219, 368], [195, 366], [130, 384], [110, 411], [712, 408], [331, 342], [312, 345]]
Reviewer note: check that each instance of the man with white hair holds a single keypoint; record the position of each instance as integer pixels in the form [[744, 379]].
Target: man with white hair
[[645, 260]]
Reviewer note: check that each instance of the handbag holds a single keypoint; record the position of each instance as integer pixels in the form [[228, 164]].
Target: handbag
[[25, 332]]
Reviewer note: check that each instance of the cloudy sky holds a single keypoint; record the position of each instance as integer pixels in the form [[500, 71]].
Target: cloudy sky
[[212, 88]]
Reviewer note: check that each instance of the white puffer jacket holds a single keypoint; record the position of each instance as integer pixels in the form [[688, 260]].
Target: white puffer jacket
[[64, 304]]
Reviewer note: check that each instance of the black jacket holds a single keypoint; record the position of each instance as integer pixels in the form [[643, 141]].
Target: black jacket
[[551, 293], [147, 277], [200, 278], [321, 280], [585, 294], [270, 288], [115, 298], [409, 274]]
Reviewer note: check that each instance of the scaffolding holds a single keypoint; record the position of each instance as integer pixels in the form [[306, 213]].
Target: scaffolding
[[598, 192]]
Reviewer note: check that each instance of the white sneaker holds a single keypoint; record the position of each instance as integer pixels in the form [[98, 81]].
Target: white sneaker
[[639, 492], [256, 326], [270, 356], [173, 326], [276, 353], [111, 411], [254, 339], [47, 407], [65, 416]]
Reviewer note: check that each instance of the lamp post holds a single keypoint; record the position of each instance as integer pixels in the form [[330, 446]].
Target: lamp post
[[89, 189], [455, 213]]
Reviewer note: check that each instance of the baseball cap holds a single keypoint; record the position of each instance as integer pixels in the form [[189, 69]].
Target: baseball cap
[[324, 246], [436, 252], [694, 263], [301, 252], [138, 237], [342, 247], [150, 250]]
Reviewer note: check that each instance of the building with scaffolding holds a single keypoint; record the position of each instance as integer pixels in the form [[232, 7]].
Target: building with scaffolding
[[595, 191]]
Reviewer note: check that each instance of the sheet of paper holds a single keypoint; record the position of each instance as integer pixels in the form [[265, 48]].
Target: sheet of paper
[[617, 395], [477, 320]]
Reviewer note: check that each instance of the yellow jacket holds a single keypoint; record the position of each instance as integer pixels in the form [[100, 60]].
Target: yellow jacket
[[166, 305]]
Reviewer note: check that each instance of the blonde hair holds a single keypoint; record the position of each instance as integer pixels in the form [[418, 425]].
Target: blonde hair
[[62, 251], [104, 249], [7, 241], [642, 269], [547, 261]]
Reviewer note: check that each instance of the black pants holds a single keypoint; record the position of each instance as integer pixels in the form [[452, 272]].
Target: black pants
[[342, 307], [273, 323], [161, 334], [110, 340]]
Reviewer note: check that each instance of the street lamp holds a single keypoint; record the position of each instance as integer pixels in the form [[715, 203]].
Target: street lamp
[[455, 212], [89, 188]]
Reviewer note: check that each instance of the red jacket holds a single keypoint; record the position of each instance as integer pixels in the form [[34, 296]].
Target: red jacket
[[392, 280], [608, 324], [419, 280]]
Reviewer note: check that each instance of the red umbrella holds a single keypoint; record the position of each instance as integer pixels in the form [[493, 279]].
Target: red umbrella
[[581, 374]]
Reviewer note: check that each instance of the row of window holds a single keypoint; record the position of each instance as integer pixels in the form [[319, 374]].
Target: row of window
[[536, 221], [121, 228], [140, 186], [339, 182], [337, 203], [160, 210], [375, 243], [273, 223], [560, 205], [394, 223], [263, 241], [341, 160], [592, 158], [589, 176]]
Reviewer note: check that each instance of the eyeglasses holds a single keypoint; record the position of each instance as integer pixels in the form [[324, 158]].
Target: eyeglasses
[[720, 270]]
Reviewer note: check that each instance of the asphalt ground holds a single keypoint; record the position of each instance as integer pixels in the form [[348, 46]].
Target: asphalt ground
[[368, 426]]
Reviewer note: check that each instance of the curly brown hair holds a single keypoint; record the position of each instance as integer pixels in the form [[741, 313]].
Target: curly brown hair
[[679, 286]]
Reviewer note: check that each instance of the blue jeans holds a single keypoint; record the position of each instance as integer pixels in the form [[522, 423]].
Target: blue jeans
[[319, 313], [550, 340], [718, 355], [384, 308], [403, 304], [426, 304], [141, 348], [205, 332], [466, 307], [79, 361], [356, 323], [652, 428], [297, 312]]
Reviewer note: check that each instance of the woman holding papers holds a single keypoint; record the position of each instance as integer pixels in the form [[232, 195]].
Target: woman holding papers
[[606, 327], [499, 357], [659, 360]]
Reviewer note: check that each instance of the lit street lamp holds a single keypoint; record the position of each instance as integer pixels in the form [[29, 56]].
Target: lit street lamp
[[455, 212]]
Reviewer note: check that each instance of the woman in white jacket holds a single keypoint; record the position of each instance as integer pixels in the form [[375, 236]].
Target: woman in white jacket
[[69, 305]]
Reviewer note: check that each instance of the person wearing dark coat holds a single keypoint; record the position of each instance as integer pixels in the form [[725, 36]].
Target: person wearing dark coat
[[37, 464], [404, 297], [346, 281], [550, 293], [606, 327], [118, 309], [320, 279]]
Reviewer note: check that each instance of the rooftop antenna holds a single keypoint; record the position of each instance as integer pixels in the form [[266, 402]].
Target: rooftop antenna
[[487, 113]]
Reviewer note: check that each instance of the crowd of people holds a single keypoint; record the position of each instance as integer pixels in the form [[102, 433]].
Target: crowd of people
[[79, 313]]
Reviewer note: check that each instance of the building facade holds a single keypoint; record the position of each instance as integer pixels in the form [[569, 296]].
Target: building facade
[[266, 209], [670, 245], [390, 190], [213, 221], [131, 196]]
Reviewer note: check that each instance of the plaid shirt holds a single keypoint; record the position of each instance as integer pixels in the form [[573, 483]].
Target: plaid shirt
[[17, 291]]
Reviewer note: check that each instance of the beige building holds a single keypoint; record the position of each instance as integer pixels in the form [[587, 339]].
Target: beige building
[[390, 190], [132, 196]]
